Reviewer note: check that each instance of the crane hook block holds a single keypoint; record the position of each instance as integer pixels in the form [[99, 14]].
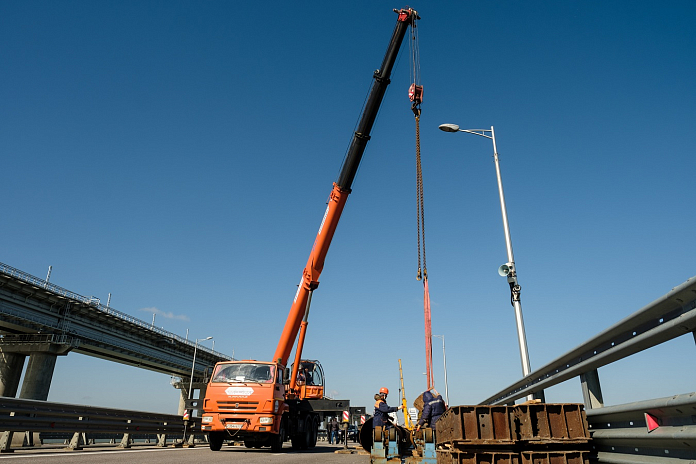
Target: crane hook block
[[415, 93], [405, 14]]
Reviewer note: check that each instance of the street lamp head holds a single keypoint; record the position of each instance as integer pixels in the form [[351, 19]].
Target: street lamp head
[[449, 127]]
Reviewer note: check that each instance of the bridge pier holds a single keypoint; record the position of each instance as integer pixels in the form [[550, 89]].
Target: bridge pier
[[37, 379], [183, 386], [11, 367], [43, 351], [182, 401]]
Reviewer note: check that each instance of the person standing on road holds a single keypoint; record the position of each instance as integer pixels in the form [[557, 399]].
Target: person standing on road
[[382, 409], [333, 431]]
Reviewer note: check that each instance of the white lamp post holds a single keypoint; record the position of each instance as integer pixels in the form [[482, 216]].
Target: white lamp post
[[444, 363], [507, 269], [193, 364]]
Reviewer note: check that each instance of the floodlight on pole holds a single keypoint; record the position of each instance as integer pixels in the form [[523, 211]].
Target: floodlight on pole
[[507, 269]]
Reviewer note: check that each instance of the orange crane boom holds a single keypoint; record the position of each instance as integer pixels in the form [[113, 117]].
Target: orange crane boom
[[341, 189], [260, 402]]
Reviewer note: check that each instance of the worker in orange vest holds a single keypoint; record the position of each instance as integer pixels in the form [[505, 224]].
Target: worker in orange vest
[[382, 409]]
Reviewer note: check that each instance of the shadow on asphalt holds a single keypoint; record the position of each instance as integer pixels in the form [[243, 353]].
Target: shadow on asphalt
[[287, 449]]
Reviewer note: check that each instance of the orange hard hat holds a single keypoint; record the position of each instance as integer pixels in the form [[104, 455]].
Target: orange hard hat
[[384, 390]]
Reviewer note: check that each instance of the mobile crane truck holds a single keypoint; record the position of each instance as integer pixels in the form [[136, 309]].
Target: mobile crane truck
[[261, 402]]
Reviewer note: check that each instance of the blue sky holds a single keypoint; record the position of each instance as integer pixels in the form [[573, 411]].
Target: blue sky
[[179, 155]]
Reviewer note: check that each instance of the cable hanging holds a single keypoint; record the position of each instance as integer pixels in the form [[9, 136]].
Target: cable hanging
[[415, 94]]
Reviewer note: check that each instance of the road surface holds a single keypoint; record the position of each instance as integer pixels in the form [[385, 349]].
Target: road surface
[[149, 454]]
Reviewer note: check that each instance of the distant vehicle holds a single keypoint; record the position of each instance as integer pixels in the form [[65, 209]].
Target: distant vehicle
[[353, 433]]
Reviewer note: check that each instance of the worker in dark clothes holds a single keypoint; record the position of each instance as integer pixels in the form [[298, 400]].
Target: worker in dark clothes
[[433, 407], [382, 409], [333, 431]]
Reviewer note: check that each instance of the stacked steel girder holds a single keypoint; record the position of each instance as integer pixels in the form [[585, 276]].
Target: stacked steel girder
[[536, 433]]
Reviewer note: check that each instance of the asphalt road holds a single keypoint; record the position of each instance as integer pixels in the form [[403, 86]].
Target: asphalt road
[[148, 454]]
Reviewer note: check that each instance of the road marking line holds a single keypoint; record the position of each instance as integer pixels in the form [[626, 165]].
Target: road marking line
[[74, 454]]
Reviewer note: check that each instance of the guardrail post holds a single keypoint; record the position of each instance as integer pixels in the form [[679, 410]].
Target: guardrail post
[[126, 440], [591, 390], [162, 439], [6, 442], [76, 441], [191, 442]]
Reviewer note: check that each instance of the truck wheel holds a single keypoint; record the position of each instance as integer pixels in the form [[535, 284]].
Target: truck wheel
[[277, 441], [215, 440], [300, 441], [313, 432]]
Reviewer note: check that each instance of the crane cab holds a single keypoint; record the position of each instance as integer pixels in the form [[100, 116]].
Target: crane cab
[[310, 380]]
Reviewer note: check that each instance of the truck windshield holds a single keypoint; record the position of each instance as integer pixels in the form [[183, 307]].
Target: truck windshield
[[244, 372]]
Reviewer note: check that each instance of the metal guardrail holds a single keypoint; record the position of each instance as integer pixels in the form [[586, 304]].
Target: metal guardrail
[[661, 430], [653, 431], [96, 304], [664, 319], [21, 415]]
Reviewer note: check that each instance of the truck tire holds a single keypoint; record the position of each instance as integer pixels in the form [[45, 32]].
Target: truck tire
[[300, 441], [277, 441], [313, 432], [215, 440]]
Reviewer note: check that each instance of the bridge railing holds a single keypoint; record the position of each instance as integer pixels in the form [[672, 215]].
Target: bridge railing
[[37, 339], [627, 439], [21, 415], [96, 303]]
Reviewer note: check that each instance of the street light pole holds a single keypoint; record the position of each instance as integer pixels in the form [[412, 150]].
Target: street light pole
[[444, 363], [193, 364], [507, 269]]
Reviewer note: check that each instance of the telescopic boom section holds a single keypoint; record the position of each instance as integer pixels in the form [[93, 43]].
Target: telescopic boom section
[[341, 188]]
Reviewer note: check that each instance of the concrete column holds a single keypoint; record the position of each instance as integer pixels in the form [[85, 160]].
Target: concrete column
[[11, 366], [183, 387], [591, 390], [182, 401], [43, 351], [37, 379]]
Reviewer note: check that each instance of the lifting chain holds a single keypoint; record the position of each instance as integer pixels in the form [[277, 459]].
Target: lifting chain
[[422, 272]]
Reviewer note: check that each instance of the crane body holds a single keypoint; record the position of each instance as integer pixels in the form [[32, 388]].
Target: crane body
[[263, 403]]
